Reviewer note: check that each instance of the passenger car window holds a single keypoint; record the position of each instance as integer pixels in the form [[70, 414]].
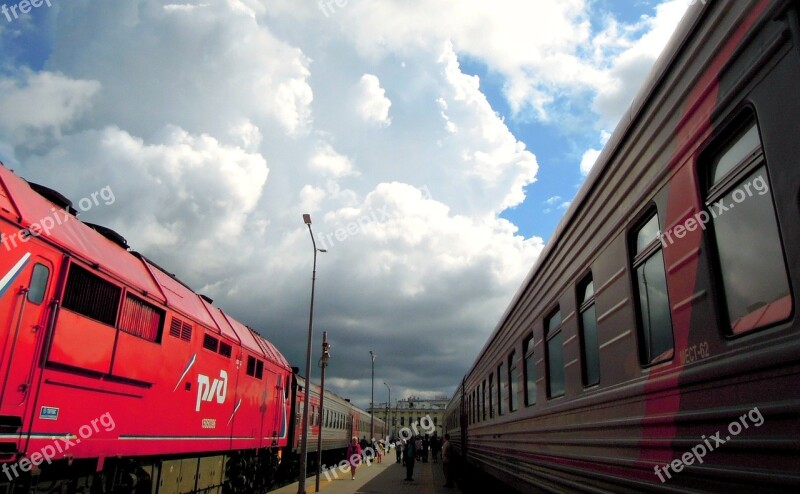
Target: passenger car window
[[749, 255]]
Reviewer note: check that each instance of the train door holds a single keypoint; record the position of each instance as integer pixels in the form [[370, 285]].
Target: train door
[[275, 424], [26, 310], [271, 393]]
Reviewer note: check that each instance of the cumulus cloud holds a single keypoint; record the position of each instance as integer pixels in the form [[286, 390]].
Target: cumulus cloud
[[188, 118], [638, 45], [373, 105], [310, 198], [205, 68], [588, 160], [590, 156], [490, 152], [246, 134], [38, 103], [328, 162], [539, 47], [219, 123], [182, 196], [555, 203]]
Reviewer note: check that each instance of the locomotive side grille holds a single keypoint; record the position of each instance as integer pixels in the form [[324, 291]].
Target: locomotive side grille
[[225, 349], [141, 319], [175, 327], [186, 332], [180, 329], [91, 296]]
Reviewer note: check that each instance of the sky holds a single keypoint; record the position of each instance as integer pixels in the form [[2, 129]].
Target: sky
[[436, 145]]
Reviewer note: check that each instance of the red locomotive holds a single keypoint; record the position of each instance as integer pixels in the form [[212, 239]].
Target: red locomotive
[[654, 346], [117, 377]]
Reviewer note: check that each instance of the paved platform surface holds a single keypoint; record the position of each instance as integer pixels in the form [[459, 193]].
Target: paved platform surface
[[380, 478]]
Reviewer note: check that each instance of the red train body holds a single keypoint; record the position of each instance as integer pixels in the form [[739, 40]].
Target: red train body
[[116, 377]]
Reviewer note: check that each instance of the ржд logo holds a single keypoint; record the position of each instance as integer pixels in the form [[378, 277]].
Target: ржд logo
[[207, 389]]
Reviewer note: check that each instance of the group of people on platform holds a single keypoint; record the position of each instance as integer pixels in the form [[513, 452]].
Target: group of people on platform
[[408, 452], [417, 449]]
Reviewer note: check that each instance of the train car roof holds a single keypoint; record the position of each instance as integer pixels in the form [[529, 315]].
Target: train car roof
[[628, 121], [98, 247], [30, 208], [181, 297]]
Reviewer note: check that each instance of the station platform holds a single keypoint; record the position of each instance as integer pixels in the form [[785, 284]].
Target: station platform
[[380, 478]]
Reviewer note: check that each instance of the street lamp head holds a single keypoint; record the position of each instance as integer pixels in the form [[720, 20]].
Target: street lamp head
[[307, 219], [322, 250], [326, 350]]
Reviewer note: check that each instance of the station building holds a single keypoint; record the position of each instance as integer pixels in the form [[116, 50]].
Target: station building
[[409, 411]]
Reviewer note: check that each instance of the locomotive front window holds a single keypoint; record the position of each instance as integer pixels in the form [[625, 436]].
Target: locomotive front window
[[653, 311], [751, 266], [39, 277], [555, 355]]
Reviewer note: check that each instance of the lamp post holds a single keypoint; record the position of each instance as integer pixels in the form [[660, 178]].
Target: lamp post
[[388, 410], [323, 362], [372, 404], [301, 486]]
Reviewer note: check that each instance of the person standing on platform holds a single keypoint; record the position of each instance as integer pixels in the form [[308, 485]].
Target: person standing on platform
[[447, 460], [410, 454], [418, 446], [354, 456], [435, 446], [398, 449], [425, 445]]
